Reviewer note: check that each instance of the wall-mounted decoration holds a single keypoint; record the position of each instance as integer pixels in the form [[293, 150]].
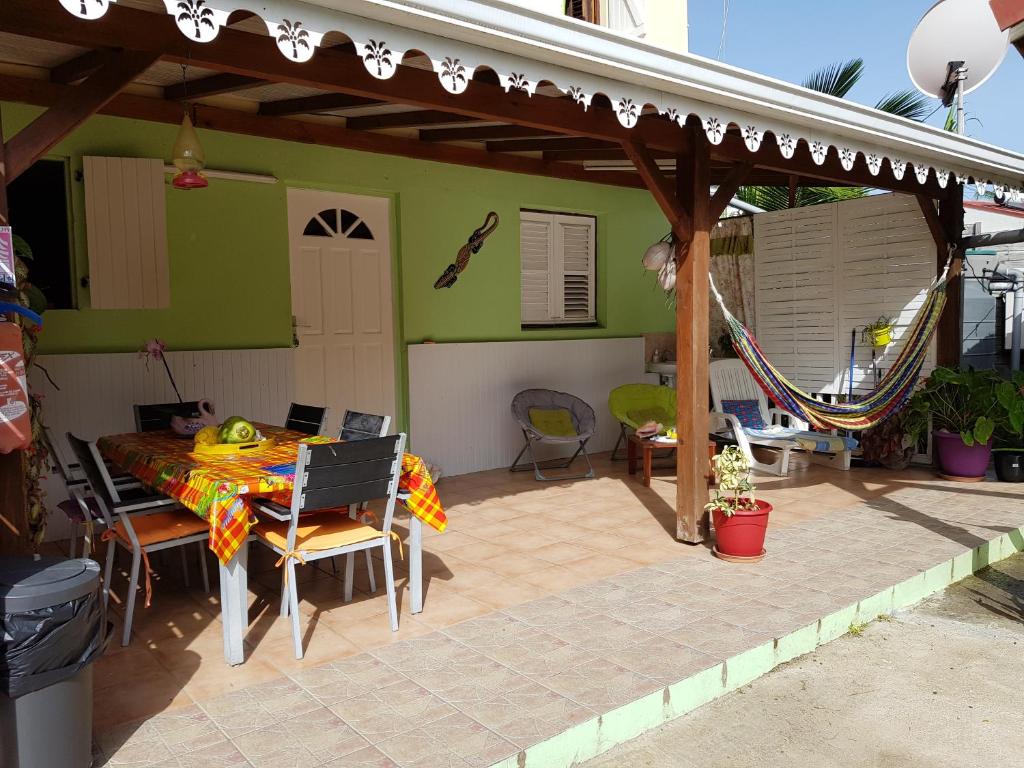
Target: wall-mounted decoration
[[473, 245]]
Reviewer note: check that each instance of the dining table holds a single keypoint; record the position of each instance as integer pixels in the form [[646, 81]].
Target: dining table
[[222, 488]]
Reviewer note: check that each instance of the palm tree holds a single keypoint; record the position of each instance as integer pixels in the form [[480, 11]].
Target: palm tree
[[837, 80]]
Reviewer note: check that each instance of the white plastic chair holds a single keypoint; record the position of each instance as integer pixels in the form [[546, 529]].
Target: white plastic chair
[[730, 380]]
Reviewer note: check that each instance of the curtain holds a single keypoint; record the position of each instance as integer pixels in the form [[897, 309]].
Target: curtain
[[732, 267]]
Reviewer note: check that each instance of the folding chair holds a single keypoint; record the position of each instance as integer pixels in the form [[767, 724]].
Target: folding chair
[[580, 423]]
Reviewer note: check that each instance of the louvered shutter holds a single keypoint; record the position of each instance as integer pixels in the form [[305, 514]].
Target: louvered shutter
[[574, 243], [126, 232], [536, 246], [794, 257]]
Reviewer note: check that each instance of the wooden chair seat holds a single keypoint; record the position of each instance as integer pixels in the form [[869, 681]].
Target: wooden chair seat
[[318, 532], [159, 527]]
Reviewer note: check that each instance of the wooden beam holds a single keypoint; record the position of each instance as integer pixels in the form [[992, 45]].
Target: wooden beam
[[4, 220], [331, 69], [948, 334], [792, 187], [226, 82], [40, 136], [727, 189], [553, 144], [80, 67], [678, 217], [43, 93], [482, 133], [307, 105], [935, 224], [407, 120], [692, 344]]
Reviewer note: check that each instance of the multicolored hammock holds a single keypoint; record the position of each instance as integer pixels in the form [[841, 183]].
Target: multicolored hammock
[[888, 398]]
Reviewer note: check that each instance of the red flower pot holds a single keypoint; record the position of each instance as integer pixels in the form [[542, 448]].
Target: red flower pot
[[742, 534]]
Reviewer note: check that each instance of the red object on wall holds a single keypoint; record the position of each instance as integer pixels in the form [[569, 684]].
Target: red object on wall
[[15, 419]]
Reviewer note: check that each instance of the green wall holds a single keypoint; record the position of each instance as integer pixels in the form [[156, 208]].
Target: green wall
[[229, 249]]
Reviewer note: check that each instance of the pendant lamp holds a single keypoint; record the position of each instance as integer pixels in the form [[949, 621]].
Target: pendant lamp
[[188, 157]]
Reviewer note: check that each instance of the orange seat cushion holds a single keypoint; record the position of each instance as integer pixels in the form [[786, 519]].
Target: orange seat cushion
[[315, 533], [163, 526]]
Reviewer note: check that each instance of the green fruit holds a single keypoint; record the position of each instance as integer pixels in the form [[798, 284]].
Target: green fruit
[[237, 430]]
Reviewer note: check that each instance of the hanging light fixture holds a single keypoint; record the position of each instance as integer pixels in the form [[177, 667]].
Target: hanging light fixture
[[188, 156]]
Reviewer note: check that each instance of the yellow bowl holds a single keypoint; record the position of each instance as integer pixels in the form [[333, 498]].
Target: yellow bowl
[[234, 449]]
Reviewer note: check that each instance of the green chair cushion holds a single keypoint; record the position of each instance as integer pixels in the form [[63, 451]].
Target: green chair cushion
[[556, 422]]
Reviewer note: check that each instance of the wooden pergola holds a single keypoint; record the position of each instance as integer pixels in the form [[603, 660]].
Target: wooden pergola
[[128, 64]]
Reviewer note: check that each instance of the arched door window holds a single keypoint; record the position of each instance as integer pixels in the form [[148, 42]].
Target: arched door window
[[337, 222]]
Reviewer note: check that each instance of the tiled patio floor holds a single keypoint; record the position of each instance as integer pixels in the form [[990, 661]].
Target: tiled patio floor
[[546, 605]]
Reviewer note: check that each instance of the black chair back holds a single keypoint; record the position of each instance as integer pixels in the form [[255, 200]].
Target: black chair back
[[363, 426], [337, 475], [95, 475], [149, 418], [308, 419]]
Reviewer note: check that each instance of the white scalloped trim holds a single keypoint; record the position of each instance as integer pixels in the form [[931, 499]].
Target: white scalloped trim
[[382, 47]]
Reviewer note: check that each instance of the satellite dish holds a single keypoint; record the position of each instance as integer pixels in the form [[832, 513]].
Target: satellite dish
[[955, 31]]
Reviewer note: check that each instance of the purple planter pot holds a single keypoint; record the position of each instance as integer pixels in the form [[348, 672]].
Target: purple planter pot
[[961, 460]]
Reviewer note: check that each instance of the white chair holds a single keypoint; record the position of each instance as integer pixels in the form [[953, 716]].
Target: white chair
[[730, 380], [147, 524], [328, 478]]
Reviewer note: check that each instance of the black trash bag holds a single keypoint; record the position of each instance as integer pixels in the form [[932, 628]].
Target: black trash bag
[[42, 647]]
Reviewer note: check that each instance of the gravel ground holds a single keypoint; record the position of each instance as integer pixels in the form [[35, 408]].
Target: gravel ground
[[935, 686]]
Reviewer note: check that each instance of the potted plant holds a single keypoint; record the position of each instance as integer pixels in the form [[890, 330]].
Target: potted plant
[[740, 520], [879, 333], [961, 405], [1009, 439]]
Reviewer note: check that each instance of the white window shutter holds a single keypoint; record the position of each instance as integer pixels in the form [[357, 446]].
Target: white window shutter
[[126, 232], [536, 247], [574, 244], [628, 16]]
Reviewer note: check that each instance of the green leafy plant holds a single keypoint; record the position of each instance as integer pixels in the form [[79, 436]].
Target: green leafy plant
[[1009, 416], [881, 326], [960, 400], [733, 470]]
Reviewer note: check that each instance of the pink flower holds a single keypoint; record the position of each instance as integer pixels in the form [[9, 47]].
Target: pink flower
[[154, 348]]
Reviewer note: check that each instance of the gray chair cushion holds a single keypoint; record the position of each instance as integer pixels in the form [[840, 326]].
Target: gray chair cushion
[[583, 417]]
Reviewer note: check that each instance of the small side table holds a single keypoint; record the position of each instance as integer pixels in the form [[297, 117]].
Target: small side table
[[645, 448]]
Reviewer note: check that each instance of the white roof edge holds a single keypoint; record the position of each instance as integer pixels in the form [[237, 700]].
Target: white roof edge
[[526, 47]]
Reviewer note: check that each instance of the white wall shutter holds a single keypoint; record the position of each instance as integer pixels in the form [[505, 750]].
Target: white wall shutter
[[536, 246], [574, 243], [825, 271], [557, 253], [126, 231], [628, 16], [795, 297]]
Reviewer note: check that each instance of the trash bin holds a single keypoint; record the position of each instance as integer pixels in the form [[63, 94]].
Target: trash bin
[[52, 627]]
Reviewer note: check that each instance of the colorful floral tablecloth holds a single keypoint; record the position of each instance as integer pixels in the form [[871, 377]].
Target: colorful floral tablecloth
[[220, 488]]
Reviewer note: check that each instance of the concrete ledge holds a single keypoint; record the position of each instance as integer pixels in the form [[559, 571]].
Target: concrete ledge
[[594, 737]]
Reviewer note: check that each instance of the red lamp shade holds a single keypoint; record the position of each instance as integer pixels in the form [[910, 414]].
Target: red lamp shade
[[190, 180]]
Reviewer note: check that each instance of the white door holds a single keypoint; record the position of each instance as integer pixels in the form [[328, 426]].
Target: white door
[[340, 253]]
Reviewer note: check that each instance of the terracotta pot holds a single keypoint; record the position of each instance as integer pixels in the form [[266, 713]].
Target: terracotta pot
[[957, 459], [742, 534]]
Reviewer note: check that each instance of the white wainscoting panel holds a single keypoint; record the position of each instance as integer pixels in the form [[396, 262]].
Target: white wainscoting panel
[[460, 394], [97, 392]]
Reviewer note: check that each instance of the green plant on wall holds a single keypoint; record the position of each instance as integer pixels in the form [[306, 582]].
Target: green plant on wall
[[36, 458]]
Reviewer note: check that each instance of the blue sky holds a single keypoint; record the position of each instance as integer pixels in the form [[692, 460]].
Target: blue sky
[[789, 39]]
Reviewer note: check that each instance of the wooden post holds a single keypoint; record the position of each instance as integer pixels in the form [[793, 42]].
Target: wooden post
[[948, 342], [14, 534], [692, 343]]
